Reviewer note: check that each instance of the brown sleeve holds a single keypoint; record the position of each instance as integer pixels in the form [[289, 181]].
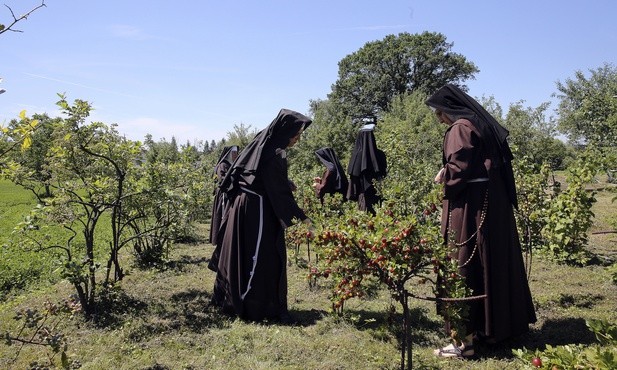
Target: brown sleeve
[[460, 146]]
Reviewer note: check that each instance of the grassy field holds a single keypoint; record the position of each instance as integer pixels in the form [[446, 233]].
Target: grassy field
[[162, 320], [17, 269]]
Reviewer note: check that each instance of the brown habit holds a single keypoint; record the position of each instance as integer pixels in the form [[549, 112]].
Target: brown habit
[[478, 215], [495, 267]]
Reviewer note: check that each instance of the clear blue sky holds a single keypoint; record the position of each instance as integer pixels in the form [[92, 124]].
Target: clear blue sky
[[193, 69]]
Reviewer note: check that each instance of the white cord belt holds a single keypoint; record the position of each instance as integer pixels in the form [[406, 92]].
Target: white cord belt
[[479, 179]]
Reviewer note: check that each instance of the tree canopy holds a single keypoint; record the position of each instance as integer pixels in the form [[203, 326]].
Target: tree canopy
[[588, 107], [371, 77]]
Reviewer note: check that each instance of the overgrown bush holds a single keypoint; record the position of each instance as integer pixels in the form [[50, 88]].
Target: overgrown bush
[[576, 356], [568, 217], [40, 328]]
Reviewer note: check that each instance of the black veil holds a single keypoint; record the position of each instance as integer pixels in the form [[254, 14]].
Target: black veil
[[264, 146], [328, 157], [455, 102]]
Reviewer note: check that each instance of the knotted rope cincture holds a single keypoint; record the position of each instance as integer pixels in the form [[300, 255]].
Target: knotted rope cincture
[[482, 218], [445, 299], [473, 253]]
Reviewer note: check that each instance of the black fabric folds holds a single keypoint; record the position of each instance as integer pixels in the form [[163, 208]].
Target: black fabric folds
[[367, 161], [328, 158], [264, 146], [225, 157]]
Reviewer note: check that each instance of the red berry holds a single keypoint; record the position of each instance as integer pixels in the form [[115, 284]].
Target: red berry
[[536, 362]]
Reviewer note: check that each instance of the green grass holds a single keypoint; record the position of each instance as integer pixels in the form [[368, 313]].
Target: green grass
[[16, 202], [161, 320], [18, 269], [21, 268]]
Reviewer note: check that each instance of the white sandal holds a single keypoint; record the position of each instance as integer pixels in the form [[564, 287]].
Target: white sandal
[[452, 351]]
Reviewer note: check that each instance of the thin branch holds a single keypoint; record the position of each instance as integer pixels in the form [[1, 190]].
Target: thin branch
[[20, 18]]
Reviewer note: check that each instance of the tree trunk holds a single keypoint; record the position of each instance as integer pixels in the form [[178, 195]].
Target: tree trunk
[[406, 340]]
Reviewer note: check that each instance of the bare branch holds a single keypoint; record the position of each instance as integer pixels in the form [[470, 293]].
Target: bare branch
[[16, 19]]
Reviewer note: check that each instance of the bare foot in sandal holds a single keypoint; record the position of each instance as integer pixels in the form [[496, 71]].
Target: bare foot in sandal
[[452, 351]]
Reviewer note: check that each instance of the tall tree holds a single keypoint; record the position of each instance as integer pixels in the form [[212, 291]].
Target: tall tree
[[533, 134], [241, 136], [329, 129], [371, 77], [33, 161], [588, 107]]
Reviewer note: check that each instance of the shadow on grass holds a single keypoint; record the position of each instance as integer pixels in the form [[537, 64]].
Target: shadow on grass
[[114, 306], [184, 311], [386, 326], [192, 310], [300, 318], [306, 318], [157, 366], [553, 332], [183, 262], [580, 300], [189, 310], [179, 265]]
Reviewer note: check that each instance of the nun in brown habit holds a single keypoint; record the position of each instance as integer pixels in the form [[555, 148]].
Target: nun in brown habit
[[478, 218], [251, 279]]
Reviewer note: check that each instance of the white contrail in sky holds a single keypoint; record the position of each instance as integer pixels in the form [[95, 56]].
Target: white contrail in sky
[[80, 85], [356, 28]]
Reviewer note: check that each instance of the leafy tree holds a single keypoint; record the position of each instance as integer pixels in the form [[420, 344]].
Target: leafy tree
[[371, 77], [164, 197], [411, 137], [588, 107], [330, 128], [189, 152], [91, 163], [161, 151], [19, 135], [33, 160], [174, 191], [533, 135], [569, 216], [90, 168], [401, 252], [535, 190], [241, 136], [492, 106]]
